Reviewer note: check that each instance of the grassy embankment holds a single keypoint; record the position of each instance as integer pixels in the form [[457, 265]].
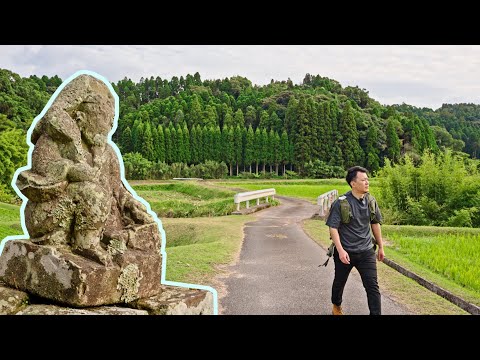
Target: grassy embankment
[[198, 247], [184, 199]]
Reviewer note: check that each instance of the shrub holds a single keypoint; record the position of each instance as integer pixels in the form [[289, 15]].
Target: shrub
[[289, 174], [462, 218], [442, 191], [7, 196], [318, 169], [210, 170], [139, 168], [160, 171], [248, 175], [136, 166]]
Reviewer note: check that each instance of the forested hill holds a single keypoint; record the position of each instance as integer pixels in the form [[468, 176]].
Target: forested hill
[[462, 121], [191, 120], [21, 99]]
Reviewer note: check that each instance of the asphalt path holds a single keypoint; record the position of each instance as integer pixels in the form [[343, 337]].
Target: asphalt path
[[278, 274]]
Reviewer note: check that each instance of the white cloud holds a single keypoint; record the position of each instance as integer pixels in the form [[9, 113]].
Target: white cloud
[[418, 75]]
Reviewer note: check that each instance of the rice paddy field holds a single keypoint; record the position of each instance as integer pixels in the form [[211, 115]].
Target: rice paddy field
[[449, 257]]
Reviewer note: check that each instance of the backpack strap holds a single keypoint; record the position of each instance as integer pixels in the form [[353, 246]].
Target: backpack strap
[[345, 216], [345, 210], [372, 205], [330, 250]]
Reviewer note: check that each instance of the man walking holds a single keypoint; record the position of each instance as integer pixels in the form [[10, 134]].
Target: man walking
[[350, 219]]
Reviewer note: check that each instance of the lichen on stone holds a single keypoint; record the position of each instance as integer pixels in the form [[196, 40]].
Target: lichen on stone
[[63, 212], [9, 252], [12, 301], [81, 221], [116, 247], [129, 282]]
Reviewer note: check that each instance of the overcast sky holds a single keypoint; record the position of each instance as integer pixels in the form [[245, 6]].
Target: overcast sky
[[417, 75]]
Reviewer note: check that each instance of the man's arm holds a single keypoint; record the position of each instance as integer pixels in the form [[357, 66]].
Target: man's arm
[[377, 232], [334, 222], [342, 254]]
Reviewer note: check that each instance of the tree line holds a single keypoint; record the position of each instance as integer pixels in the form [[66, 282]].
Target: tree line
[[340, 126], [278, 126]]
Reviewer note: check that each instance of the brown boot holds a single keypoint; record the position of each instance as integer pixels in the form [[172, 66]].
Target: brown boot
[[337, 310]]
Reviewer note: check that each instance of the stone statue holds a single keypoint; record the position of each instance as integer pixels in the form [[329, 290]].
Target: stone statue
[[76, 195], [78, 208]]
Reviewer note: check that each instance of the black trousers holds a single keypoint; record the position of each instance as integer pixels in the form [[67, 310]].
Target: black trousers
[[366, 264]]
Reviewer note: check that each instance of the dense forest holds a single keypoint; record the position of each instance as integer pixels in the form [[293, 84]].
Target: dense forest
[[316, 128]]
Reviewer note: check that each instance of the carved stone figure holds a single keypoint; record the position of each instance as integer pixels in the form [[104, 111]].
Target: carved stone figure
[[74, 187], [79, 208]]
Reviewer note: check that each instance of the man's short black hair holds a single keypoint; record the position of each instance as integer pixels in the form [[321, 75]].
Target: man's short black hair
[[352, 173]]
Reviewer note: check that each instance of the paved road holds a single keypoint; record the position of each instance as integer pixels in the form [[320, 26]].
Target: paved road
[[278, 272]]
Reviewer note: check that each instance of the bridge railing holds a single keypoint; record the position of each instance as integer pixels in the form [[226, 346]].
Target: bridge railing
[[325, 202], [253, 195]]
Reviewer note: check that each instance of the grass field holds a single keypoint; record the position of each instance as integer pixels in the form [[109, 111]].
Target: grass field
[[303, 189], [415, 297], [197, 247], [9, 220], [186, 199]]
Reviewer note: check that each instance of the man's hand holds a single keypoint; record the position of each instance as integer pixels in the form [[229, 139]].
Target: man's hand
[[380, 254], [342, 254], [344, 258]]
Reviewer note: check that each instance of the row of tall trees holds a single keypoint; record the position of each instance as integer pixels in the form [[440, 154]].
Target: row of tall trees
[[236, 146]]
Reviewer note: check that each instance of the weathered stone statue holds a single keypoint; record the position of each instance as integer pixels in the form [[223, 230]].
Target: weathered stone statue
[[74, 187], [92, 242]]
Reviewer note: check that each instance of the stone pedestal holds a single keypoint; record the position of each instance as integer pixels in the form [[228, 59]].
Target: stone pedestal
[[172, 300], [11, 300], [58, 274]]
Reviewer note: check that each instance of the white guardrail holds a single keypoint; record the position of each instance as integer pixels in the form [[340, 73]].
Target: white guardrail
[[252, 195], [325, 201]]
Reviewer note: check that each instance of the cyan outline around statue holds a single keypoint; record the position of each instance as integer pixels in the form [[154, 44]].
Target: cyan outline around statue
[[68, 180]]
